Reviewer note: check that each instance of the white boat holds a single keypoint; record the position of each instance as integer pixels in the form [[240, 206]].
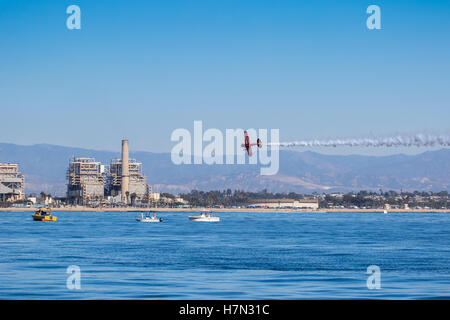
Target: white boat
[[148, 218], [204, 216], [385, 212]]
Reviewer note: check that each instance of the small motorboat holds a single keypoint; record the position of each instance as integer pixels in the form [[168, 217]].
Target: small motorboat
[[44, 214], [149, 218], [204, 216]]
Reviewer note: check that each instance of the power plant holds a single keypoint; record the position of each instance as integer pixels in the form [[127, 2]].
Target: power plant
[[126, 178], [86, 181], [12, 183], [121, 182]]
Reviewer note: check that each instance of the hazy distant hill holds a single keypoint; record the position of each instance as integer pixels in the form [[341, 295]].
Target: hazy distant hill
[[45, 169]]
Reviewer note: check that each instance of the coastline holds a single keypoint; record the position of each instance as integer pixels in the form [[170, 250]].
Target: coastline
[[249, 210]]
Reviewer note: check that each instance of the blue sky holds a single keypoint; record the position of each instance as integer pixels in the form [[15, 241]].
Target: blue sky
[[140, 69]]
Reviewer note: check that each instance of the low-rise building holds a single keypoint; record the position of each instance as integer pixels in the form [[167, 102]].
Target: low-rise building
[[154, 196], [285, 203], [32, 200], [180, 200]]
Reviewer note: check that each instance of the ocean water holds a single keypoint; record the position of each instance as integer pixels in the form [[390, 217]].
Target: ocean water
[[245, 256]]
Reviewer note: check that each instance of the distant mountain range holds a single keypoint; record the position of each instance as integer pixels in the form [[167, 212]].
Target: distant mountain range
[[45, 168]]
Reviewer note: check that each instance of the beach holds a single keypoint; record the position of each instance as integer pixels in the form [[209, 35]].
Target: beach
[[255, 210]]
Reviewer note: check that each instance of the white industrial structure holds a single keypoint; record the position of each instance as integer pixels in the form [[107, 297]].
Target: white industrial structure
[[86, 181], [89, 180], [12, 183], [126, 178]]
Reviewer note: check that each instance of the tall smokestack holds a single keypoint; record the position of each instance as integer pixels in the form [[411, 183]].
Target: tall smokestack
[[125, 171]]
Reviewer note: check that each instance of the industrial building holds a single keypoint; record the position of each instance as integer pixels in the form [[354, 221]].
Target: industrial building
[[285, 203], [86, 181], [131, 185], [126, 178], [89, 181], [12, 183]]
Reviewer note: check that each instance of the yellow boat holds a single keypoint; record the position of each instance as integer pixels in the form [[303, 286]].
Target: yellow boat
[[44, 214]]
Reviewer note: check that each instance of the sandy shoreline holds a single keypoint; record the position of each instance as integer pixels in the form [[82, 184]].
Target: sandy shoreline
[[85, 209]]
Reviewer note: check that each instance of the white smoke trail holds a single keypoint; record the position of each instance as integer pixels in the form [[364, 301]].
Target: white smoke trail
[[419, 140]]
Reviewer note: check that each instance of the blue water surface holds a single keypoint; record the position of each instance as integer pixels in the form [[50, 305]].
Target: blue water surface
[[245, 256]]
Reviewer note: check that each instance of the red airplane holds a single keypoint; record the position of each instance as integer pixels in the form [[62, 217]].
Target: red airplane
[[248, 146]]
